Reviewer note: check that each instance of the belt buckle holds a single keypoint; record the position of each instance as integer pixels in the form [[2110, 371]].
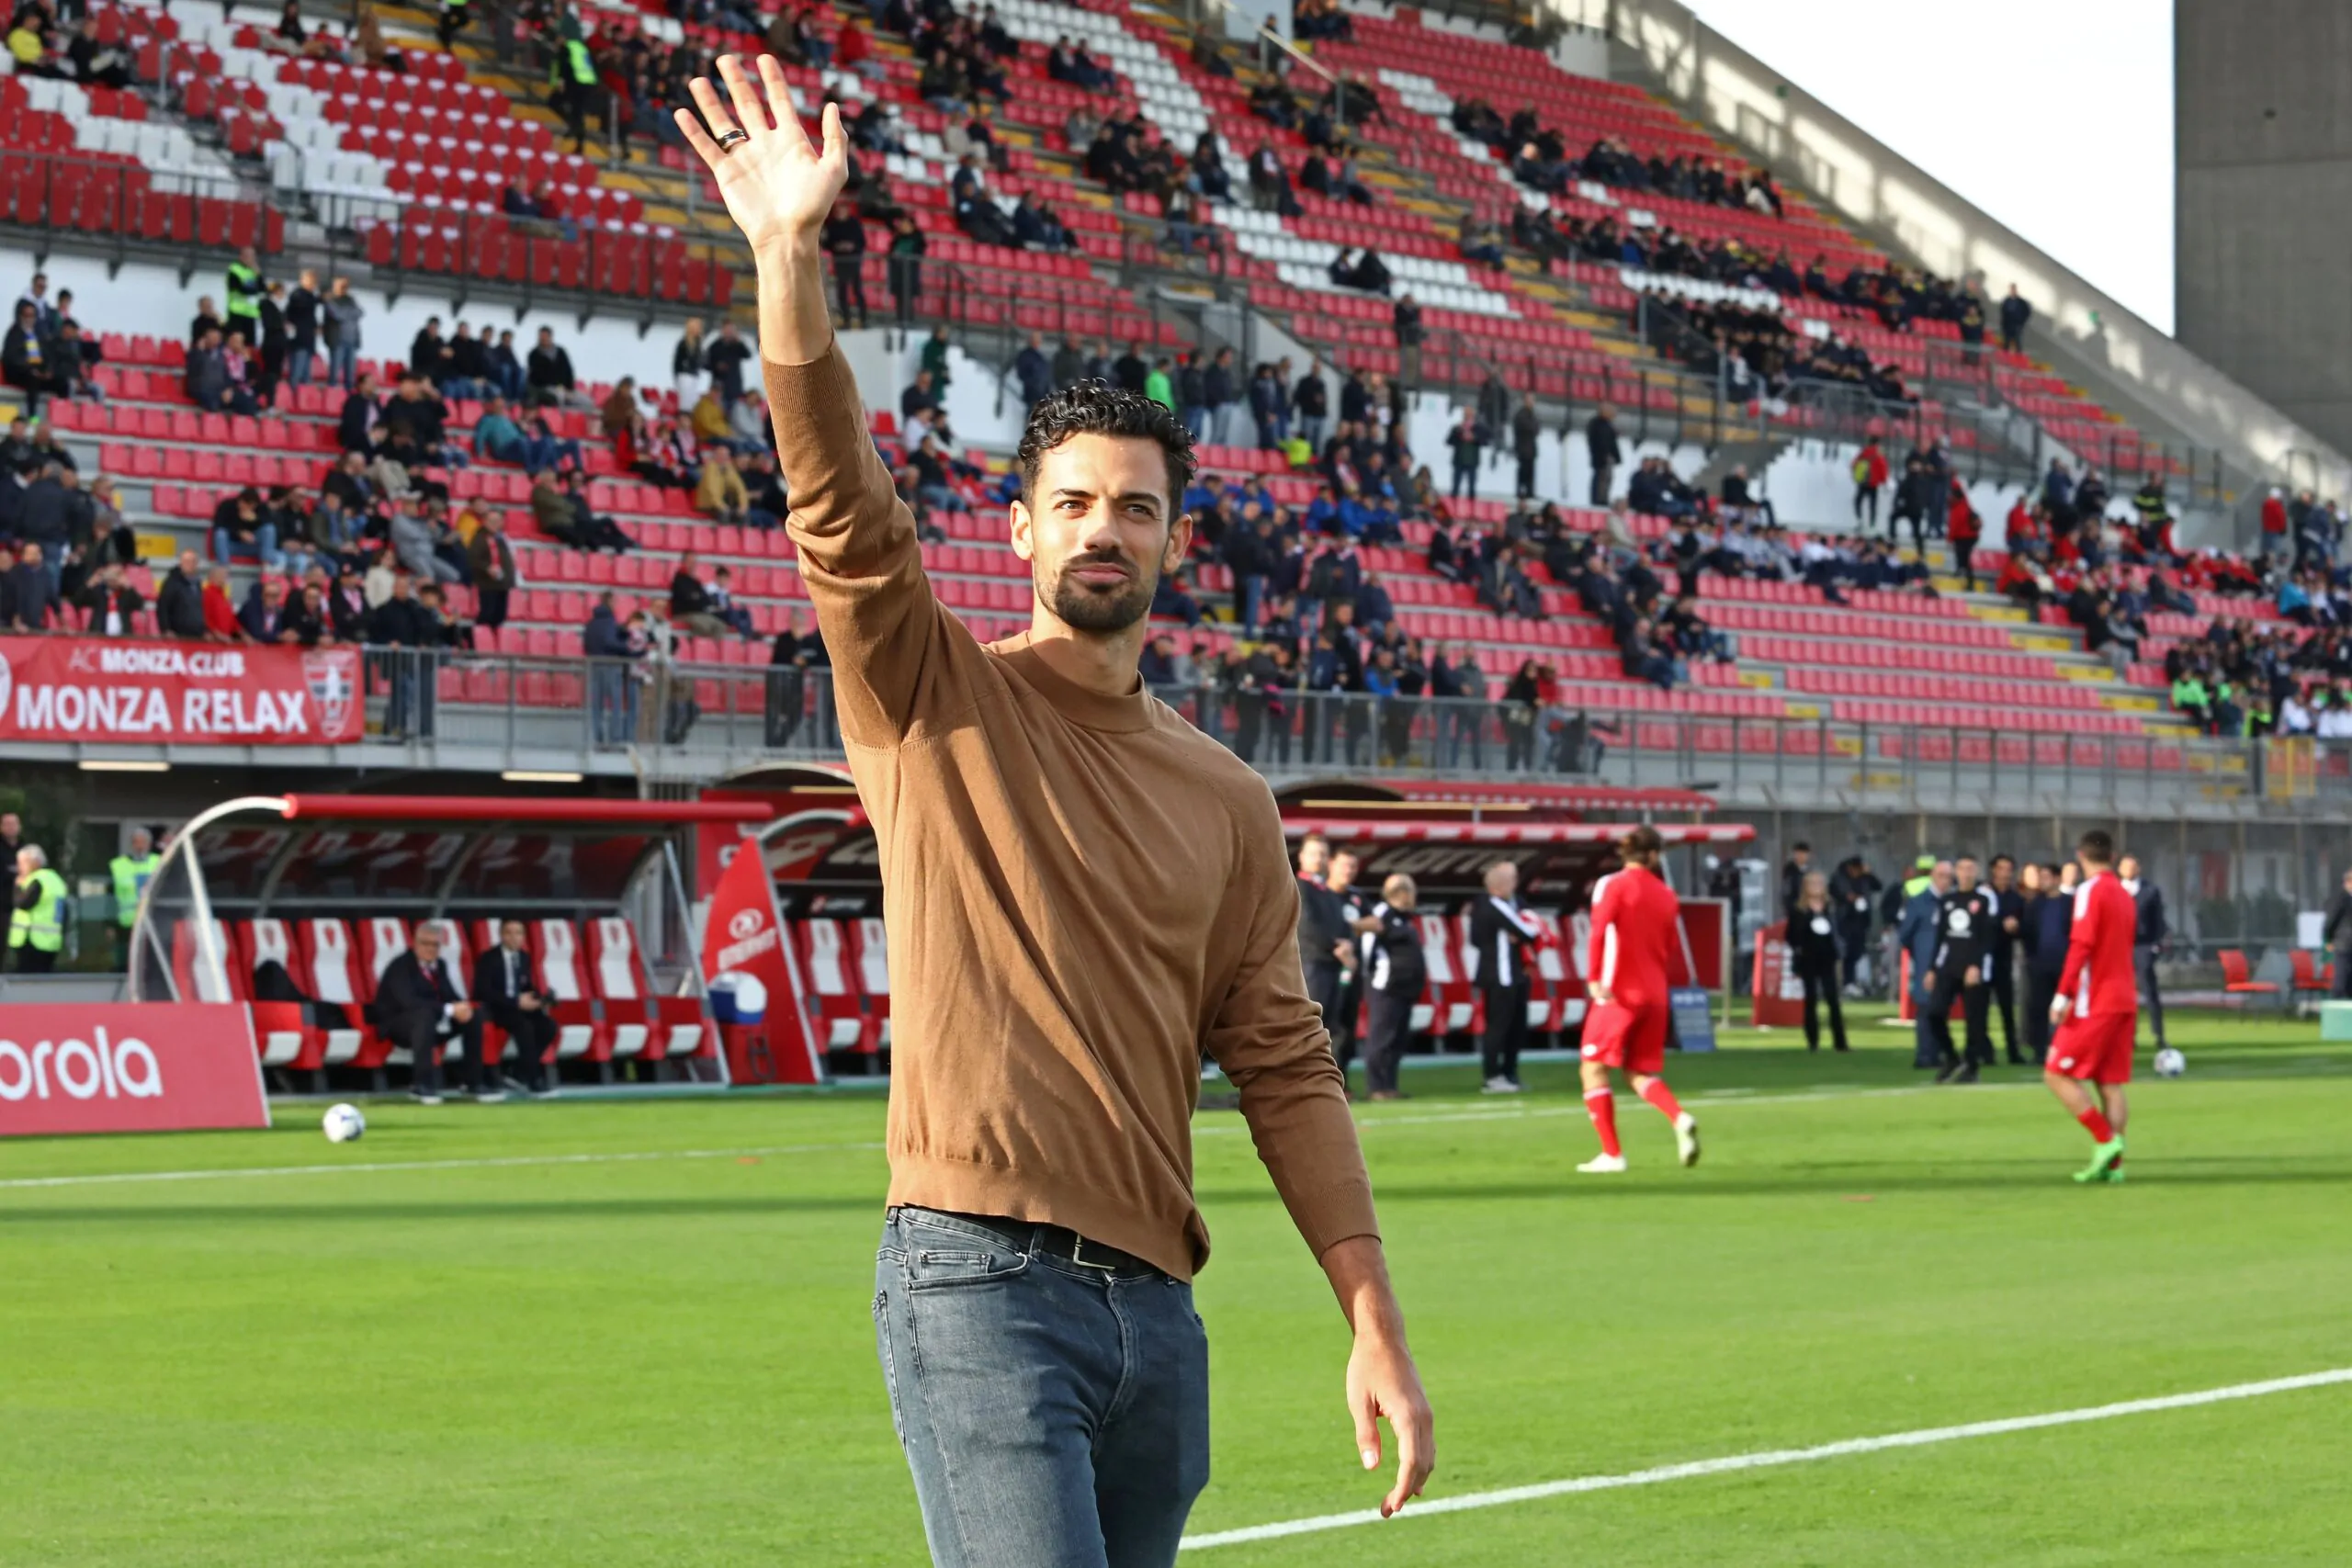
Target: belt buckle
[[1078, 1255]]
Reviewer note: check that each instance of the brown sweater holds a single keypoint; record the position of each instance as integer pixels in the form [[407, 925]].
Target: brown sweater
[[1085, 896]]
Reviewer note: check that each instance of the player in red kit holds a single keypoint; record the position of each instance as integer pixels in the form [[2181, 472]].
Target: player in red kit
[[1636, 958], [2096, 1011]]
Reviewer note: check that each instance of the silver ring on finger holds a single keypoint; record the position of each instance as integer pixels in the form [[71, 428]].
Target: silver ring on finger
[[730, 140]]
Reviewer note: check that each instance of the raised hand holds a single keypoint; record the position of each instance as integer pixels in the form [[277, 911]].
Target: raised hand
[[778, 186]]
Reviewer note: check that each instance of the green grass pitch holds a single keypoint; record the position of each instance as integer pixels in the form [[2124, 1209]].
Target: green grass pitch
[[669, 1360]]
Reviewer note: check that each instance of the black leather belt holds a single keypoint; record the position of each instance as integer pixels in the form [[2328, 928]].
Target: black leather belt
[[1050, 1241]]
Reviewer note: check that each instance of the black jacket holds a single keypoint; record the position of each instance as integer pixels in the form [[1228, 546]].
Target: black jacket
[[489, 980], [2337, 933], [1395, 964], [1322, 922], [1812, 950], [1505, 946], [1963, 922], [407, 993], [179, 605], [356, 427], [2150, 902]]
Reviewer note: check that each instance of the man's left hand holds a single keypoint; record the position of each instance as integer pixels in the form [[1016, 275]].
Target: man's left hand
[[1383, 1381]]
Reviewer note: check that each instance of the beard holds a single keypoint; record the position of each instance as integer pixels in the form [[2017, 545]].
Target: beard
[[1086, 608]]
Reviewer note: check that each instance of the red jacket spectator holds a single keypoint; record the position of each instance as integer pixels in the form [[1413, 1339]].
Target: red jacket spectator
[[220, 616], [1873, 465], [2274, 515], [850, 45], [2020, 528], [1962, 523]]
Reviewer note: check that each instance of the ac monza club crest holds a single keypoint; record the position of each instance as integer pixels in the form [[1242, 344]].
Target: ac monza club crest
[[328, 675]]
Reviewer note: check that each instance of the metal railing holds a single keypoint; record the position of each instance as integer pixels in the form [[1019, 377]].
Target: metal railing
[[705, 719]]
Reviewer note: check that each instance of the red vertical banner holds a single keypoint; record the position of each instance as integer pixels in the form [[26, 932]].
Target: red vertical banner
[[1779, 995], [744, 933]]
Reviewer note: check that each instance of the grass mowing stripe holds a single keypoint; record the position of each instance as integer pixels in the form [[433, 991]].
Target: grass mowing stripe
[[1516, 1114], [485, 1163], [1772, 1458]]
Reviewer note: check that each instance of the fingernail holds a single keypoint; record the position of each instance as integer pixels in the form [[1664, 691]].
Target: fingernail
[[1370, 1457]]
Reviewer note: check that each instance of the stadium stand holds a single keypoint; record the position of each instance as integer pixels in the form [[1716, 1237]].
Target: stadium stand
[[413, 155]]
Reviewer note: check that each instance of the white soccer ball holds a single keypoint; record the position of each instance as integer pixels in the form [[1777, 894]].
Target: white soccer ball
[[2170, 1064], [343, 1123]]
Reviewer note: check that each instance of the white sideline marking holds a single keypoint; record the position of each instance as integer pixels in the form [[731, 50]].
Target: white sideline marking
[[1773, 1458], [1495, 1113], [494, 1163]]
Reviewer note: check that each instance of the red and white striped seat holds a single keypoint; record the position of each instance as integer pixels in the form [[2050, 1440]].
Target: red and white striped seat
[[563, 978], [669, 1026], [826, 950], [1452, 1000], [1567, 961], [873, 979], [330, 972]]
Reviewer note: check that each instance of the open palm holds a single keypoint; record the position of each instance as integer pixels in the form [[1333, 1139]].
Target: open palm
[[778, 186]]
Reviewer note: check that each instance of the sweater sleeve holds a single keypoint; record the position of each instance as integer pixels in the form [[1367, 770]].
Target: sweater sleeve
[[858, 549], [1269, 1039]]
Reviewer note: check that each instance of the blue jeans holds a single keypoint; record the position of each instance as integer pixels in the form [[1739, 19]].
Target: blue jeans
[[1053, 1415], [342, 363], [265, 546]]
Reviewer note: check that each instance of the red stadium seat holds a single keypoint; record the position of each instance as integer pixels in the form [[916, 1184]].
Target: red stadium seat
[[2237, 979], [826, 952], [2309, 977], [676, 1024], [1450, 999], [873, 979], [330, 972], [563, 978]]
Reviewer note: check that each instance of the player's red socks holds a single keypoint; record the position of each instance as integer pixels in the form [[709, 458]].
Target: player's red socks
[[1600, 1104], [1661, 1097], [2096, 1124]]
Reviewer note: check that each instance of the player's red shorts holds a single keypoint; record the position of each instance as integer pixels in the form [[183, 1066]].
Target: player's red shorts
[[2095, 1047], [1631, 1038]]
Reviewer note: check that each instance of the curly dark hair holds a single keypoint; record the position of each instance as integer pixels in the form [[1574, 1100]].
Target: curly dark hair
[[1097, 408]]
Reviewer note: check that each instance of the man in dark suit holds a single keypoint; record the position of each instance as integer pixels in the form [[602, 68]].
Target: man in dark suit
[[1504, 937], [2000, 954], [508, 993], [418, 1007], [2147, 939], [1323, 933]]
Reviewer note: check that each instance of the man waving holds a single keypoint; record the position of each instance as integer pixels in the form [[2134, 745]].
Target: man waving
[[1085, 894]]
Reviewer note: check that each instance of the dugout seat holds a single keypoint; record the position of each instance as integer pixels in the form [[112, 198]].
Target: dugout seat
[[873, 980], [194, 983], [2310, 976], [282, 1035], [331, 972], [1556, 989], [1452, 1000], [563, 979], [826, 957], [676, 1025], [2237, 978]]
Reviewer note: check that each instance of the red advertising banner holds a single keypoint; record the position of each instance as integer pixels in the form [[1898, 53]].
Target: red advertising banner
[[116, 690], [743, 934], [128, 1067], [1780, 993]]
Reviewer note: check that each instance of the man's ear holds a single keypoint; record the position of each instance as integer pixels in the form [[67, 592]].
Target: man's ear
[[1023, 537], [1179, 542]]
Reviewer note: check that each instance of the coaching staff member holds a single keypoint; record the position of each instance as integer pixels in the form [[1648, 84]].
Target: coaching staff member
[[1091, 895], [418, 1010], [507, 992], [1504, 936]]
